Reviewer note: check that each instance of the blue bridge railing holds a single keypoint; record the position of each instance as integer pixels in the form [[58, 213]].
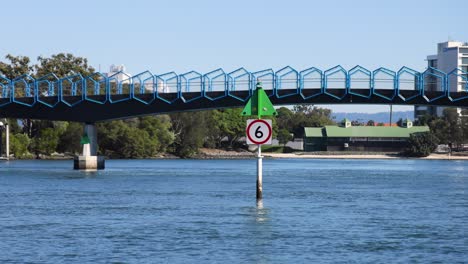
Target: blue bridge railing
[[170, 87]]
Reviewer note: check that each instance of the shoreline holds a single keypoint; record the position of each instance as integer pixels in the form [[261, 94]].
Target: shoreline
[[360, 156], [206, 154], [224, 154]]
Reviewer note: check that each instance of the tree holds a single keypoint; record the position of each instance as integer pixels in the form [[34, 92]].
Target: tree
[[134, 143], [424, 120], [214, 137], [190, 131], [370, 123], [17, 66], [421, 144], [380, 124], [357, 123], [62, 64], [400, 122], [284, 136], [19, 144], [454, 130], [46, 142], [107, 133], [120, 139], [32, 127], [439, 129], [448, 128], [159, 130], [230, 124], [309, 116], [464, 125], [69, 140], [285, 118], [303, 108], [14, 126]]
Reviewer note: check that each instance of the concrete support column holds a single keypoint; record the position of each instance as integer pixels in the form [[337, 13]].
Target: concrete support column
[[89, 160], [91, 131]]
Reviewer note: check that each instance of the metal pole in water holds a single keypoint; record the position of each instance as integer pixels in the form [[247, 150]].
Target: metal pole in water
[[259, 173]]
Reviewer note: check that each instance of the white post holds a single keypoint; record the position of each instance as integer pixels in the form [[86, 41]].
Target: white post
[[7, 139], [259, 173], [91, 131], [86, 150]]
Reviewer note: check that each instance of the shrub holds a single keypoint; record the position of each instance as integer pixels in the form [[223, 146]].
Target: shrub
[[421, 144]]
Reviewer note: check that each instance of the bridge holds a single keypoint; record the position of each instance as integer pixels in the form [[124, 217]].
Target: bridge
[[100, 97]]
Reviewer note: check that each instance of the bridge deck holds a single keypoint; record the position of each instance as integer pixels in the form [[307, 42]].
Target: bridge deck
[[99, 107]]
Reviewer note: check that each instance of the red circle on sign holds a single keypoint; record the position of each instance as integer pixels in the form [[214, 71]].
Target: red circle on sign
[[269, 131]]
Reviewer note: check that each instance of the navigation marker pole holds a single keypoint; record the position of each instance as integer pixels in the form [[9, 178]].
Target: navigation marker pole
[[259, 173], [259, 131]]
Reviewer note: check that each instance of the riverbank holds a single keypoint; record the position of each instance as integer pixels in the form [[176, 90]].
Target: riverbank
[[359, 156], [206, 153], [240, 154]]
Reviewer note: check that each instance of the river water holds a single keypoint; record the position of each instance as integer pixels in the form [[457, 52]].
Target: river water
[[204, 211]]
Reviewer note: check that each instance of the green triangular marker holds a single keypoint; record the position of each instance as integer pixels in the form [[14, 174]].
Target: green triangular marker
[[259, 104], [84, 140]]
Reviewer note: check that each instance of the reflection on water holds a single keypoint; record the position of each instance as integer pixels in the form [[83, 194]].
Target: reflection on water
[[259, 204], [82, 175], [204, 211], [261, 212]]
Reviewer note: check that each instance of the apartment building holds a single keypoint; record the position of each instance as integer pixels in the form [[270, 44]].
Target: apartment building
[[450, 55]]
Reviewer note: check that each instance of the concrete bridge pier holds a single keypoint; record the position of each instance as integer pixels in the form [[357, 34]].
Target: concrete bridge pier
[[89, 160]]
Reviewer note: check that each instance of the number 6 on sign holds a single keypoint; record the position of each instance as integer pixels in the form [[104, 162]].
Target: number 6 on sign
[[258, 131]]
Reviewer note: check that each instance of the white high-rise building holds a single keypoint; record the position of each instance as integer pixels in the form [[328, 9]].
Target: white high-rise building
[[450, 55], [119, 73]]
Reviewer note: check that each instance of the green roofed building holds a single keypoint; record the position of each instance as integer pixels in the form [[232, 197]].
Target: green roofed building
[[359, 138]]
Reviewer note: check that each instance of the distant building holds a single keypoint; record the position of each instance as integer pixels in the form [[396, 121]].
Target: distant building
[[450, 55], [360, 138], [118, 74]]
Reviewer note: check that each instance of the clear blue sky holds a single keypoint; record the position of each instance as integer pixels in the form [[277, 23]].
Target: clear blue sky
[[179, 36]]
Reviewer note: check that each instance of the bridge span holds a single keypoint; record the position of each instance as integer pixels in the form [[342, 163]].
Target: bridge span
[[91, 112], [99, 97]]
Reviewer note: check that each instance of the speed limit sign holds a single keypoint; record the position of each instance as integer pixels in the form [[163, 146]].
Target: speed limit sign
[[258, 131]]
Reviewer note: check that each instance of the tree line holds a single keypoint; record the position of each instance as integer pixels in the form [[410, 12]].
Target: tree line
[[450, 129], [181, 134]]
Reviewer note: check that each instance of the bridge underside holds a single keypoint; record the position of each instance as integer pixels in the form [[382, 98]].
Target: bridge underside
[[90, 110]]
